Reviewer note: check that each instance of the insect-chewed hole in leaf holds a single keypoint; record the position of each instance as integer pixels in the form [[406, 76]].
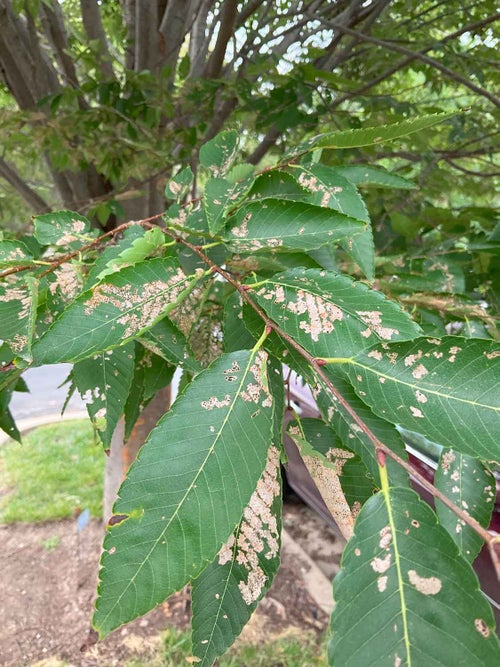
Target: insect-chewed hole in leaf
[[117, 518], [425, 585], [258, 534], [482, 628], [373, 321]]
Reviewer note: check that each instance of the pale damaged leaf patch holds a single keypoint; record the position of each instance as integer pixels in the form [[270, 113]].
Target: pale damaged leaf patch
[[123, 306], [448, 391], [326, 471], [399, 570], [373, 320], [227, 592], [257, 536], [66, 282], [320, 314], [425, 585]]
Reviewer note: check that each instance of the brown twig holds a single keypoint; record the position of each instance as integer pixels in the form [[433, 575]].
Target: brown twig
[[74, 253], [316, 365]]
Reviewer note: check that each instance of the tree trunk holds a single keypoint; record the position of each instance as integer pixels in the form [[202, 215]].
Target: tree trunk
[[122, 455]]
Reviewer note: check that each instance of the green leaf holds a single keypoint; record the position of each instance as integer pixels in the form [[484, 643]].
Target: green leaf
[[106, 255], [236, 335], [7, 423], [219, 196], [368, 175], [227, 592], [277, 184], [404, 596], [104, 383], [9, 371], [331, 315], [320, 440], [330, 189], [18, 305], [178, 186], [278, 224], [340, 416], [369, 136], [218, 154], [150, 374], [136, 252], [187, 490], [13, 253], [447, 389], [61, 228], [167, 340], [122, 307], [157, 374], [468, 484]]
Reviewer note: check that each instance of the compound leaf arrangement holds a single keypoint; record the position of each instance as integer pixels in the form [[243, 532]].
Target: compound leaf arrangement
[[247, 277]]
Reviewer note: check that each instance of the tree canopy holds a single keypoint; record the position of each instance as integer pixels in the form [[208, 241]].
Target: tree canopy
[[116, 95]]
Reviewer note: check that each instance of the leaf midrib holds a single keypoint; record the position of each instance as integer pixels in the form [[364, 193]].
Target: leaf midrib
[[188, 491]]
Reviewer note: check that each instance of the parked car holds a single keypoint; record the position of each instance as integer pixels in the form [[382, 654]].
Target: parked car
[[423, 455]]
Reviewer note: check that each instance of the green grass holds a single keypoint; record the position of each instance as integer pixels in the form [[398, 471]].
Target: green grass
[[290, 650], [56, 471], [60, 468]]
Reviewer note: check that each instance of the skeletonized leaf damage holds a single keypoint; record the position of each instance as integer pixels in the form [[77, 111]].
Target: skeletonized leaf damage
[[122, 306]]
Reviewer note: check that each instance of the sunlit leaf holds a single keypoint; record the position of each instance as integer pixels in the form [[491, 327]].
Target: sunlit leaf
[[106, 255], [136, 252]]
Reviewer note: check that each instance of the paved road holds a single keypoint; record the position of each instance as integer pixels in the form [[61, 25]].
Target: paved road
[[45, 397]]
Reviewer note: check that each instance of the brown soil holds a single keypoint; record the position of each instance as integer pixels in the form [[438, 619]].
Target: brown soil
[[47, 583]]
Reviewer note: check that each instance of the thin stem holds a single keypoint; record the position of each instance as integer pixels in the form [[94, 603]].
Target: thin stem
[[53, 264], [316, 365]]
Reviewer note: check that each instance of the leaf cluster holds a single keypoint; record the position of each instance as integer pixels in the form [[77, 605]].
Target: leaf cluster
[[261, 272]]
